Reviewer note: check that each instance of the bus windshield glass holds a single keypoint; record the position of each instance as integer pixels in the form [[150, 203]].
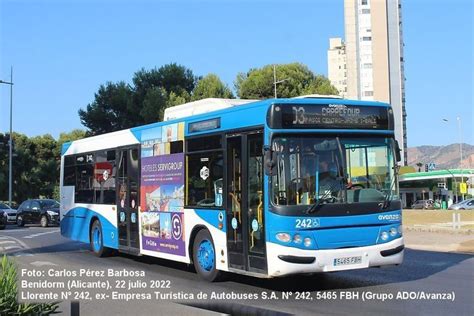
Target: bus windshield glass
[[315, 171]]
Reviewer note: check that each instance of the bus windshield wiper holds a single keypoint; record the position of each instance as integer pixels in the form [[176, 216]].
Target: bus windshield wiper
[[388, 197], [314, 207], [344, 174]]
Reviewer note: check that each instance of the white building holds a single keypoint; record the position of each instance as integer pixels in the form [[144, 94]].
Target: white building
[[337, 69], [374, 57]]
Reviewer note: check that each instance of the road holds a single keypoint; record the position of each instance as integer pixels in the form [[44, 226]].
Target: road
[[36, 248]]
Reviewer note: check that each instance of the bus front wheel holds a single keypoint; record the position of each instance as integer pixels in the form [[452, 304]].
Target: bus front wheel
[[204, 256], [97, 240]]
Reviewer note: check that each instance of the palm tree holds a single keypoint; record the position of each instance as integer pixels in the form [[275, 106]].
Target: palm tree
[[419, 165]]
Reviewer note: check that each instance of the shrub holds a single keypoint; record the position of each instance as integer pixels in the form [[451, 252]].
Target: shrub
[[8, 295]]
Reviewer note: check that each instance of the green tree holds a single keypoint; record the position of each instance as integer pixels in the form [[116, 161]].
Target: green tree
[[211, 87], [45, 171], [172, 77], [111, 110], [119, 105], [257, 83], [177, 99], [75, 134], [154, 105], [419, 165]]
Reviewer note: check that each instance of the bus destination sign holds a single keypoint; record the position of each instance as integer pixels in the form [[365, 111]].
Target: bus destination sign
[[329, 116], [206, 125]]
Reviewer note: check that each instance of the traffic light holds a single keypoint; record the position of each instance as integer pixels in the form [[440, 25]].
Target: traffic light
[[426, 167]]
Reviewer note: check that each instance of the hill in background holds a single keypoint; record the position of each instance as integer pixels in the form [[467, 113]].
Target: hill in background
[[445, 157]]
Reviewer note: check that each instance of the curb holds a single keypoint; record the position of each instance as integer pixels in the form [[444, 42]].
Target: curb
[[430, 229], [449, 249]]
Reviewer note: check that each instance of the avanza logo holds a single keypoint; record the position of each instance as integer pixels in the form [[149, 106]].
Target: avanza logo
[[390, 217]]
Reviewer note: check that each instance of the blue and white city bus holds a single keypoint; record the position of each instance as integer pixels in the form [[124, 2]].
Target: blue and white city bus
[[263, 188]]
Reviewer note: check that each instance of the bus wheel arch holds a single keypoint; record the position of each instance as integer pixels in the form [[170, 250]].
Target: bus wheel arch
[[192, 237], [204, 254]]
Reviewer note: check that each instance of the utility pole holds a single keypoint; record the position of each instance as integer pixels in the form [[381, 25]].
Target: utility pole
[[10, 141], [275, 82], [460, 153]]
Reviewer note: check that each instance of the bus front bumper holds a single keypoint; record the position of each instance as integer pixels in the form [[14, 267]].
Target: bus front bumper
[[284, 260]]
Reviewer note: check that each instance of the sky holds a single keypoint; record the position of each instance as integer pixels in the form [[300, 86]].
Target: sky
[[61, 51]]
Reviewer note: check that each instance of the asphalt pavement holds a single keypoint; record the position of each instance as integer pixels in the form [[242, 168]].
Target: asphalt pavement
[[428, 282]]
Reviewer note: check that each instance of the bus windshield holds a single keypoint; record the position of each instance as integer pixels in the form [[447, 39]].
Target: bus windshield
[[332, 170]]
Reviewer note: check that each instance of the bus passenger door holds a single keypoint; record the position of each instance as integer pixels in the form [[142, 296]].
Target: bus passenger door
[[127, 199], [245, 216]]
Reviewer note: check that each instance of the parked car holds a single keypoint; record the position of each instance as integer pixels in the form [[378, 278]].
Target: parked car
[[38, 211], [3, 219], [464, 205], [423, 204], [11, 213]]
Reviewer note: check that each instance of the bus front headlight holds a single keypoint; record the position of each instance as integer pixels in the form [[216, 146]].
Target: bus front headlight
[[307, 242], [283, 237], [393, 231], [297, 239], [384, 235]]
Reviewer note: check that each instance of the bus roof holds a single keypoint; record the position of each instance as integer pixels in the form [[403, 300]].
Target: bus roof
[[227, 107]]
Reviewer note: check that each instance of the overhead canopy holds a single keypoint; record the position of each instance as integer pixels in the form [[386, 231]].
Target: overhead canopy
[[437, 174]]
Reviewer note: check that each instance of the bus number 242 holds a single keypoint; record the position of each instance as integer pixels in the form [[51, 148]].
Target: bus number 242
[[307, 223]]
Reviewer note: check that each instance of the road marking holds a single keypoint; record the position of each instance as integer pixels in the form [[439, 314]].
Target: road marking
[[7, 242], [42, 263], [20, 242], [41, 234], [15, 230], [12, 247]]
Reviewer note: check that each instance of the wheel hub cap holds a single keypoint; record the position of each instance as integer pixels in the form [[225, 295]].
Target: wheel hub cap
[[206, 255]]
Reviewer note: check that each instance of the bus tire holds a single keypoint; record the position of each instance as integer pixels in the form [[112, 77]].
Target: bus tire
[[204, 256], [97, 240]]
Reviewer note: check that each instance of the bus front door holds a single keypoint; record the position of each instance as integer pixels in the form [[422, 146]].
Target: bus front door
[[127, 199], [245, 216]]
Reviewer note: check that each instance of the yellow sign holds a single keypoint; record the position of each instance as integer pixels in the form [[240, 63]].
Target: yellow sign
[[463, 187]]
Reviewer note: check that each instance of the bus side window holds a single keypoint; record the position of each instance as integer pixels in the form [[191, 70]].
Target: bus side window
[[205, 171]]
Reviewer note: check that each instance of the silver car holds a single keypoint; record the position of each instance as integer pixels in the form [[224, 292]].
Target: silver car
[[464, 205], [11, 213], [423, 204]]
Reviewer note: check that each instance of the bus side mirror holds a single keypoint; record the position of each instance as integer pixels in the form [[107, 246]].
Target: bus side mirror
[[397, 152], [269, 161]]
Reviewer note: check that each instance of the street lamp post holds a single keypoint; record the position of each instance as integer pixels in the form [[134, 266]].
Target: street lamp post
[[458, 119], [10, 141], [460, 154], [275, 82]]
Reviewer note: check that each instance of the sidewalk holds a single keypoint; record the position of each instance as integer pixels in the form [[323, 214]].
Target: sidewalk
[[437, 240]]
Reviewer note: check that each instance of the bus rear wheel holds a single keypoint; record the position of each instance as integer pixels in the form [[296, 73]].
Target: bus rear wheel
[[97, 240], [204, 256]]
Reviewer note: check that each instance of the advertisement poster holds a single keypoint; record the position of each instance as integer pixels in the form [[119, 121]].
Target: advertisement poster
[[162, 198], [150, 137]]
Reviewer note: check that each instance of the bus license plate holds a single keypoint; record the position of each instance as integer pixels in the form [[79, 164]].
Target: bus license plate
[[347, 261]]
